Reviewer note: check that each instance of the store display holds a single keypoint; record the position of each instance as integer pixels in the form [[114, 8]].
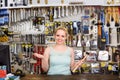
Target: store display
[[92, 57], [86, 68], [78, 54], [95, 68], [85, 22], [3, 3], [108, 11], [103, 56], [79, 40], [93, 44], [28, 26], [113, 68], [116, 17]]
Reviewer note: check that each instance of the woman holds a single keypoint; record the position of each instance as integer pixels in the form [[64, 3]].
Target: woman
[[59, 58]]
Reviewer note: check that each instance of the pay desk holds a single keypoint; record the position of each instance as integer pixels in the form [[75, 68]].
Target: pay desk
[[72, 77]]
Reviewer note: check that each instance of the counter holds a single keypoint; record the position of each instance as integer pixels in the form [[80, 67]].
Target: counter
[[72, 77]]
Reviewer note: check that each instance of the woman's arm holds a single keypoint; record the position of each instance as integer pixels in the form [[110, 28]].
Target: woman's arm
[[44, 58], [72, 60]]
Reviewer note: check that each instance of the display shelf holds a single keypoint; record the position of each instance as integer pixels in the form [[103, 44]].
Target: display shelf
[[111, 5], [30, 32], [114, 44], [56, 5], [15, 7], [50, 3]]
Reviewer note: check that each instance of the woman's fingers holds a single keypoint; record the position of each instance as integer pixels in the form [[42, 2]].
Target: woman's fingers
[[38, 55]]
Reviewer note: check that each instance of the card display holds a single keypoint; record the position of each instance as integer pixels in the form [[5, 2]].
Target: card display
[[103, 56], [78, 54], [92, 57]]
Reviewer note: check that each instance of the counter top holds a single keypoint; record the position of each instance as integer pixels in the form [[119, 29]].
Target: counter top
[[72, 77]]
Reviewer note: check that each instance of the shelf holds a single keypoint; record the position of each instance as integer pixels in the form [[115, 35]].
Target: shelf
[[111, 5], [15, 7], [56, 5], [30, 32], [114, 44], [39, 5]]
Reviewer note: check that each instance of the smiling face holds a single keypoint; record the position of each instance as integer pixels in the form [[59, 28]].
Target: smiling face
[[60, 36]]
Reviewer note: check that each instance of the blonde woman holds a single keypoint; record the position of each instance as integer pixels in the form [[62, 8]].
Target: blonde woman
[[59, 58]]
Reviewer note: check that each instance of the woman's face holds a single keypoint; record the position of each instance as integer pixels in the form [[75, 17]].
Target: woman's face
[[60, 37]]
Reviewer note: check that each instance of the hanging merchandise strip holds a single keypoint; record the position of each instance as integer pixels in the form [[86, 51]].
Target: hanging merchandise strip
[[99, 24], [51, 14], [114, 36], [117, 24], [85, 23], [93, 21], [103, 37], [4, 17], [108, 14]]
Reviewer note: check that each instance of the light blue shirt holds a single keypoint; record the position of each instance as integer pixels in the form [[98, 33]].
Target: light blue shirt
[[59, 62]]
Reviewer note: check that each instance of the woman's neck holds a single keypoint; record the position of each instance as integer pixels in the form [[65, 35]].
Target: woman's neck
[[62, 45]]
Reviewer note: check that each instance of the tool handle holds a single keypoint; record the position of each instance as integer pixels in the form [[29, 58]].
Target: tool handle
[[79, 63]]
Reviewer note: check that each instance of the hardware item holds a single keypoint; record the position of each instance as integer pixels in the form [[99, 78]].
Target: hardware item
[[2, 3], [38, 1], [78, 54], [86, 68], [66, 11], [59, 12], [113, 36], [93, 44], [62, 1], [75, 27], [79, 62], [116, 17], [108, 11], [118, 33], [85, 23], [95, 68], [51, 14], [103, 56], [92, 57], [46, 1], [79, 40], [63, 11]]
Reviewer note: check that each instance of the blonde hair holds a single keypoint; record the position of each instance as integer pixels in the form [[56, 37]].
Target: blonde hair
[[61, 28]]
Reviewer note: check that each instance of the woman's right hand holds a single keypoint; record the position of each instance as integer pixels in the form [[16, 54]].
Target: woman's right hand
[[38, 55]]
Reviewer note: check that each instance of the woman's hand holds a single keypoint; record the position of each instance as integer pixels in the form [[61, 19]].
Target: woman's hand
[[38, 55], [79, 63]]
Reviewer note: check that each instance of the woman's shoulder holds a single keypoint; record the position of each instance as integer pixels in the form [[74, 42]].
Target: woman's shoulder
[[71, 49], [49, 47]]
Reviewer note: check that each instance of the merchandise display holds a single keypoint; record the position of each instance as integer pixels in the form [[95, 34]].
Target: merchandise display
[[27, 27]]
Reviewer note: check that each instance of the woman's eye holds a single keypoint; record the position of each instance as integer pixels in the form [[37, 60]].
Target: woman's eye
[[57, 35], [63, 36]]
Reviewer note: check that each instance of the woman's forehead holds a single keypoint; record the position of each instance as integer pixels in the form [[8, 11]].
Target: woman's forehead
[[60, 31]]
